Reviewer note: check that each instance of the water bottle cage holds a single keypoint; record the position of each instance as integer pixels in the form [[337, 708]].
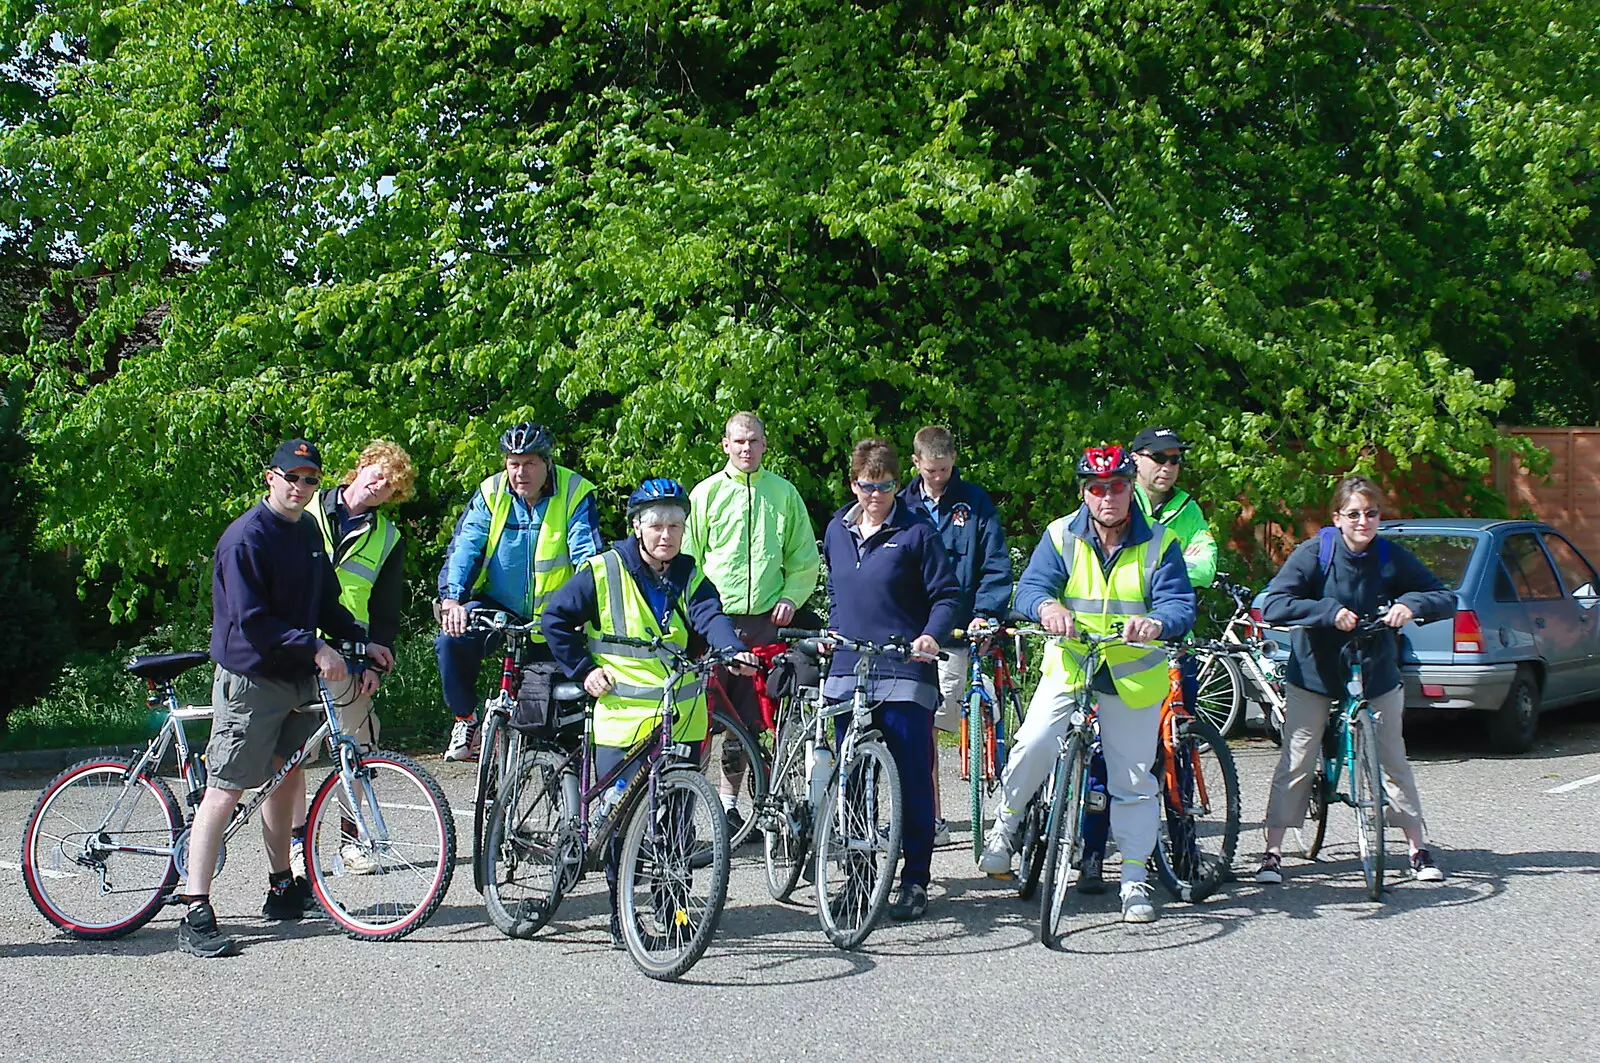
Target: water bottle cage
[[680, 753]]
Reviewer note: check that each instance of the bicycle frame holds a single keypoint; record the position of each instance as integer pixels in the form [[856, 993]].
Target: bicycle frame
[[981, 649]]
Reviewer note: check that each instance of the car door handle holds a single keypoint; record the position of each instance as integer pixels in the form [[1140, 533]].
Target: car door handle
[[1538, 621]]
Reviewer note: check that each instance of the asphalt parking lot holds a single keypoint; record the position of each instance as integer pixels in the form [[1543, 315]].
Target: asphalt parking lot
[[1497, 962]]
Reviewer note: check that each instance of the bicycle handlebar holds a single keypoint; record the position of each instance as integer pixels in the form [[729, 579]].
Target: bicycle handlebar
[[900, 650], [356, 657], [704, 662], [498, 620]]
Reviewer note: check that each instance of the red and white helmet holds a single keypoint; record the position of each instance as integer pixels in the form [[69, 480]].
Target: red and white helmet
[[1107, 463]]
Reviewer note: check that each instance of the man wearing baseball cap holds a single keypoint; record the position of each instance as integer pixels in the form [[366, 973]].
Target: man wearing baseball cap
[[272, 589], [1160, 453]]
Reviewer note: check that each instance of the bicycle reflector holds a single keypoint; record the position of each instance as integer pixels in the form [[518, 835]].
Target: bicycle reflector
[[1468, 632]]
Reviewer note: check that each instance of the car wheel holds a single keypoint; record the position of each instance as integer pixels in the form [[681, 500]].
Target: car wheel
[[1511, 727]]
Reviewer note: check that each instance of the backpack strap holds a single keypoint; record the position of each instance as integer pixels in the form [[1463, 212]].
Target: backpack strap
[[1327, 537]]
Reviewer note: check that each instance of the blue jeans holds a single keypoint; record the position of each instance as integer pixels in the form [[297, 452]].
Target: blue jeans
[[908, 732], [461, 659]]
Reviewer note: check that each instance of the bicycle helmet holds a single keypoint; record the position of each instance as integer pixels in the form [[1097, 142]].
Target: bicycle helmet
[[528, 438], [1107, 463], [655, 490]]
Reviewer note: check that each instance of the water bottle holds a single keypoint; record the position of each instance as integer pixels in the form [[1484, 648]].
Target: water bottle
[[821, 769], [608, 803]]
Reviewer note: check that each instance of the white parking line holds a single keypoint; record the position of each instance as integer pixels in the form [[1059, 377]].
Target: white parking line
[[1573, 785]]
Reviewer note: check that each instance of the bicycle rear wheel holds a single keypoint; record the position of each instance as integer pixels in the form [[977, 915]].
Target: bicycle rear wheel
[[380, 866], [735, 761], [1031, 840], [1200, 820], [73, 875], [1219, 694], [858, 834], [1064, 831], [531, 853], [670, 897], [1366, 788], [492, 751], [786, 833], [1310, 834], [977, 758]]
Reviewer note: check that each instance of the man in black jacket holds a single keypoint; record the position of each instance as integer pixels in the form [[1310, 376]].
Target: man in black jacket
[[272, 589]]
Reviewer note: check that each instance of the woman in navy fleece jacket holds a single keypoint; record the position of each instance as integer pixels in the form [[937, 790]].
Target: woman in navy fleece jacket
[[889, 577]]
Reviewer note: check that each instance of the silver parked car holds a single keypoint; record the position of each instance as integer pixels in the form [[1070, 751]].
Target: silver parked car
[[1525, 637]]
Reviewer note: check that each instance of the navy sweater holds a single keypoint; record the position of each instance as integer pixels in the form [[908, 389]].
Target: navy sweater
[[969, 526], [272, 588], [576, 605], [1298, 595], [900, 586]]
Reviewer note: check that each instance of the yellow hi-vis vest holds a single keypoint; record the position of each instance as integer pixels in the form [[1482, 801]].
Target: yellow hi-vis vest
[[552, 566], [1099, 601], [627, 712], [358, 569]]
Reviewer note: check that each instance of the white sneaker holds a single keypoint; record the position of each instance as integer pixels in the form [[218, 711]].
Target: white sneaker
[[463, 741], [358, 860], [297, 857], [996, 858], [941, 833], [1136, 906]]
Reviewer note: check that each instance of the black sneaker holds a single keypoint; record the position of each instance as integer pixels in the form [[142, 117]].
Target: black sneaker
[[1270, 872], [1423, 867], [201, 937], [911, 904], [735, 822], [294, 901], [1091, 876], [616, 934]]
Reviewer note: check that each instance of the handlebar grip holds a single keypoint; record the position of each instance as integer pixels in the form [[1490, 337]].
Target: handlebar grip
[[790, 634], [1017, 616]]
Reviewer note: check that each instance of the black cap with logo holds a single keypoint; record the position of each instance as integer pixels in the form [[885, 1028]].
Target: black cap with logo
[[1157, 438], [296, 454]]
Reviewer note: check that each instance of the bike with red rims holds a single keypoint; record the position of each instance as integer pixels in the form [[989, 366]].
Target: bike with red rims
[[495, 726], [737, 759]]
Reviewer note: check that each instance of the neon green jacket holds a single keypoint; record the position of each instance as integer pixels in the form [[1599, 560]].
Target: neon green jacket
[[753, 539], [1181, 514]]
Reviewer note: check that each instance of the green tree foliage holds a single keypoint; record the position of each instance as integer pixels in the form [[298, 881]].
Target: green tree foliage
[[1304, 233]]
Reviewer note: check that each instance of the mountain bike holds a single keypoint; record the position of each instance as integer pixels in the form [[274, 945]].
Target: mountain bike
[[735, 758], [554, 822], [493, 739], [1200, 805], [1350, 750], [802, 763], [106, 842], [991, 712], [1241, 666], [859, 817]]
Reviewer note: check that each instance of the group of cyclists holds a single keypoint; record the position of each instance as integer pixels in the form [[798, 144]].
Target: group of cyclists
[[734, 560]]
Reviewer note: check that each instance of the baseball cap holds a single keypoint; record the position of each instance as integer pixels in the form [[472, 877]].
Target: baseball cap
[[1157, 438], [296, 454]]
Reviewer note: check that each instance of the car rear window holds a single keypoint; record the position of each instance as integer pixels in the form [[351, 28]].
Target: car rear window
[[1445, 555]]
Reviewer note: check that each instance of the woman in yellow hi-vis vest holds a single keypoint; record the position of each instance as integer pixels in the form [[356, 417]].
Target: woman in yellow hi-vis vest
[[1102, 566], [524, 533], [644, 588]]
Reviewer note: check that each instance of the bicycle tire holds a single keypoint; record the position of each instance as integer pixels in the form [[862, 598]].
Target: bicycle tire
[[529, 846], [1219, 691], [664, 855], [492, 753], [404, 795], [757, 765], [977, 756], [1189, 865], [786, 846], [1311, 837], [1031, 842], [1063, 829], [856, 861], [53, 872], [1366, 786]]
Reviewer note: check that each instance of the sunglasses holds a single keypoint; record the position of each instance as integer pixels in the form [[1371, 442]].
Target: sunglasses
[[884, 487], [1103, 490], [1354, 515], [1163, 459], [299, 477]]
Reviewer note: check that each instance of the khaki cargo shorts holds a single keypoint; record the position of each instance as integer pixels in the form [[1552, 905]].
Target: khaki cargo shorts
[[253, 721]]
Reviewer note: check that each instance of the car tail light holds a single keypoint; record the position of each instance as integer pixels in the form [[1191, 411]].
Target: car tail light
[[1432, 690], [1256, 620], [1468, 633]]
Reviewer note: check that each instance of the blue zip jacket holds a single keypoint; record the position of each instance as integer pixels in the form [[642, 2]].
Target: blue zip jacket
[[899, 586], [1299, 595], [969, 525], [576, 604], [1171, 597], [511, 568]]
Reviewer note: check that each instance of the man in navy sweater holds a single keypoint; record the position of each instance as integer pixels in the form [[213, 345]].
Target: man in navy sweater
[[272, 588]]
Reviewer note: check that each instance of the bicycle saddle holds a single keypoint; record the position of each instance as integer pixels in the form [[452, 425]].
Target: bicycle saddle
[[163, 667], [565, 691]]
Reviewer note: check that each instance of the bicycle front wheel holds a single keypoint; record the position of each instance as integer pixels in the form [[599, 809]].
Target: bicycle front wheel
[[1219, 690], [1200, 813], [787, 813], [492, 755], [977, 749], [380, 865], [532, 854], [733, 758], [859, 827], [1064, 830], [669, 895], [1366, 785], [71, 865]]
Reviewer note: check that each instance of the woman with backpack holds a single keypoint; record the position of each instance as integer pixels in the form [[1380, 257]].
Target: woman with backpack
[[1329, 584]]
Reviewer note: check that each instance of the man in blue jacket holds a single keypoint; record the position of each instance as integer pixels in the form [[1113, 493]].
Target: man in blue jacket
[[969, 526]]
